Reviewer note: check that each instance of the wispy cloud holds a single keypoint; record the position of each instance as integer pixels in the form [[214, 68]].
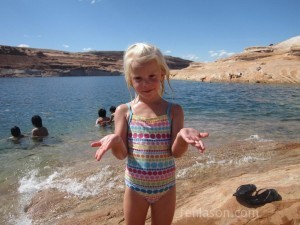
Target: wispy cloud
[[23, 46], [32, 36], [87, 49], [167, 52], [220, 53], [191, 57], [90, 1], [66, 46]]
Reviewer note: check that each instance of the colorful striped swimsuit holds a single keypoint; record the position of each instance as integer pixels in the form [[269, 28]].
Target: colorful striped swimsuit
[[150, 168]]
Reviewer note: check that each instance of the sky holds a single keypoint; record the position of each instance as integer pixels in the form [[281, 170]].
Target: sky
[[198, 30]]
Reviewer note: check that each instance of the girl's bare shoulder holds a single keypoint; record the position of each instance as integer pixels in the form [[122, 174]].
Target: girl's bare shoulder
[[176, 108], [122, 110], [176, 111]]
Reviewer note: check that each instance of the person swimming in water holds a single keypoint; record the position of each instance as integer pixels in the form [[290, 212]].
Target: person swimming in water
[[102, 119], [39, 130], [16, 134]]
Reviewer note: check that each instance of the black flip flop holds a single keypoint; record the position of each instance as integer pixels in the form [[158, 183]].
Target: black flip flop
[[245, 190], [263, 196]]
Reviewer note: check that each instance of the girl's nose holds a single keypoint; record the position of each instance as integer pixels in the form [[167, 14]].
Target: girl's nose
[[146, 82]]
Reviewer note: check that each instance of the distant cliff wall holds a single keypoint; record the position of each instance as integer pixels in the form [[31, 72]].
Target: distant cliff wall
[[56, 72], [30, 62], [279, 63]]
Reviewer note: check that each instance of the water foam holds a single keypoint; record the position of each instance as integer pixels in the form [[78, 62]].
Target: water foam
[[212, 162], [85, 187], [89, 186], [257, 138]]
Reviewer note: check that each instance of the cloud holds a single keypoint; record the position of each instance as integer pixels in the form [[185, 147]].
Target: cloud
[[191, 57], [220, 53], [23, 46], [87, 49], [32, 36], [66, 46], [91, 1], [168, 51], [95, 1]]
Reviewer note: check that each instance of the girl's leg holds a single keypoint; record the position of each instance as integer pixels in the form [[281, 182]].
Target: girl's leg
[[135, 208], [162, 211]]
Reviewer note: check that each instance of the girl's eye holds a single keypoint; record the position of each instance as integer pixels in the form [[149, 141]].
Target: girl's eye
[[137, 78]]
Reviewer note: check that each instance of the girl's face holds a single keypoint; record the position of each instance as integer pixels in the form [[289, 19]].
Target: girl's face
[[146, 78]]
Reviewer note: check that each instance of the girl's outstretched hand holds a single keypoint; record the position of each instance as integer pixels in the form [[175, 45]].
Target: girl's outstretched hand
[[104, 145], [193, 137]]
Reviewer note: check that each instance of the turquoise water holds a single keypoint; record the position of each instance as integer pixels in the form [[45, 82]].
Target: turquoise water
[[69, 105]]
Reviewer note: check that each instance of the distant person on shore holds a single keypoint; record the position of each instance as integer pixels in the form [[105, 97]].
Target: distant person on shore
[[149, 132], [102, 119], [16, 134], [39, 130]]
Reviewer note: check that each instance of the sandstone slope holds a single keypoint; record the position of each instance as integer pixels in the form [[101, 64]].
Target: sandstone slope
[[278, 63], [216, 205]]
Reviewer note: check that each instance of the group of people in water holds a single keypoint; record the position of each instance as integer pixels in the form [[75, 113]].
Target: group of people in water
[[103, 120], [38, 131]]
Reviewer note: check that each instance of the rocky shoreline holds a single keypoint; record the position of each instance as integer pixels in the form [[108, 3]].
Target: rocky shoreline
[[274, 64], [205, 184]]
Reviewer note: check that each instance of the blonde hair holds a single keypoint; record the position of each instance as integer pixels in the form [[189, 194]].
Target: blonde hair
[[142, 53]]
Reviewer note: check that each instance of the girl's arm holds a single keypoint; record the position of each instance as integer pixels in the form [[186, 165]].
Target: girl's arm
[[182, 137], [178, 145], [117, 142]]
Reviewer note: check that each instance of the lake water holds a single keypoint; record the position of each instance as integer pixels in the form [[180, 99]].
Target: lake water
[[69, 105]]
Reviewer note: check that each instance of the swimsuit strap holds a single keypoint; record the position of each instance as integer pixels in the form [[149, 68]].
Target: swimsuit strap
[[130, 113], [169, 111]]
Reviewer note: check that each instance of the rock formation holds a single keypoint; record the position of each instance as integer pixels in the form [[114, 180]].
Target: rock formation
[[278, 63], [215, 204], [30, 62]]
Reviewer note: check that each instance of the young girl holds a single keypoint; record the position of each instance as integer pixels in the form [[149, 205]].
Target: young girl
[[149, 132]]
